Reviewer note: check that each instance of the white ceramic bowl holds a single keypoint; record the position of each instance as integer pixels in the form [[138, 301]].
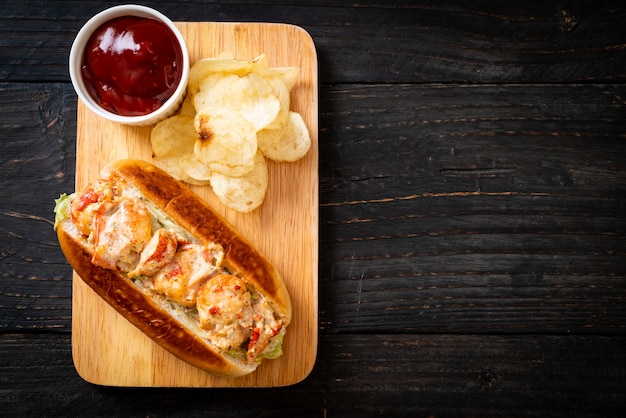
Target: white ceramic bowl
[[76, 59]]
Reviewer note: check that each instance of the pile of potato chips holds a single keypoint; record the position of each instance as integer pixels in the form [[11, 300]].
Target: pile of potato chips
[[236, 114]]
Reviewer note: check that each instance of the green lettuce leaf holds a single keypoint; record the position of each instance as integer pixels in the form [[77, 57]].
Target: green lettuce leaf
[[275, 348], [61, 208]]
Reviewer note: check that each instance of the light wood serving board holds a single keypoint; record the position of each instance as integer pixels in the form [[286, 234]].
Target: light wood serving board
[[109, 350]]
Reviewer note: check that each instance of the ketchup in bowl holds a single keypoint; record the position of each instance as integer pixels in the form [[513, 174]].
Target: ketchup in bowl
[[132, 65]]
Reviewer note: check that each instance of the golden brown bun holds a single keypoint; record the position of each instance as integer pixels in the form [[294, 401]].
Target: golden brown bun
[[193, 214], [142, 312]]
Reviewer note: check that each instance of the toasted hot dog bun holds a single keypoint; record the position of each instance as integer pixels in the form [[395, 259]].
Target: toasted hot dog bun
[[156, 316]]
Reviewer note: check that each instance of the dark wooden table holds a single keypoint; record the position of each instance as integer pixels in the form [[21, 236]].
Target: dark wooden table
[[472, 212]]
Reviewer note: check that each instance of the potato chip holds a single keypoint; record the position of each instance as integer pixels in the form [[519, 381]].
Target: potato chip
[[251, 95], [288, 74], [171, 140], [195, 172], [203, 97], [205, 67], [226, 143], [286, 144], [282, 94], [245, 193], [187, 108], [236, 114], [259, 64]]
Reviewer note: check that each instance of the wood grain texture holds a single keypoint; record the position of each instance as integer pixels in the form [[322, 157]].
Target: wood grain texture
[[501, 210], [467, 259], [354, 376], [107, 349], [471, 222], [38, 128], [373, 41]]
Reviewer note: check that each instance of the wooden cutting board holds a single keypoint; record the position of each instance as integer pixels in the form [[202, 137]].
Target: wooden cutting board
[[106, 348]]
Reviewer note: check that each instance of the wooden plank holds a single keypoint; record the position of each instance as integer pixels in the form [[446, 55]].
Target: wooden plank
[[477, 42], [548, 217], [108, 350], [499, 210], [525, 254], [543, 140], [37, 162], [355, 376]]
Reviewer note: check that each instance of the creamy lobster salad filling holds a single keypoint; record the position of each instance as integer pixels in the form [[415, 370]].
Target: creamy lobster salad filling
[[131, 235]]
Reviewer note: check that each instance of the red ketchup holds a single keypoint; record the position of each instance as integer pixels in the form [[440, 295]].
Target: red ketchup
[[132, 65]]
